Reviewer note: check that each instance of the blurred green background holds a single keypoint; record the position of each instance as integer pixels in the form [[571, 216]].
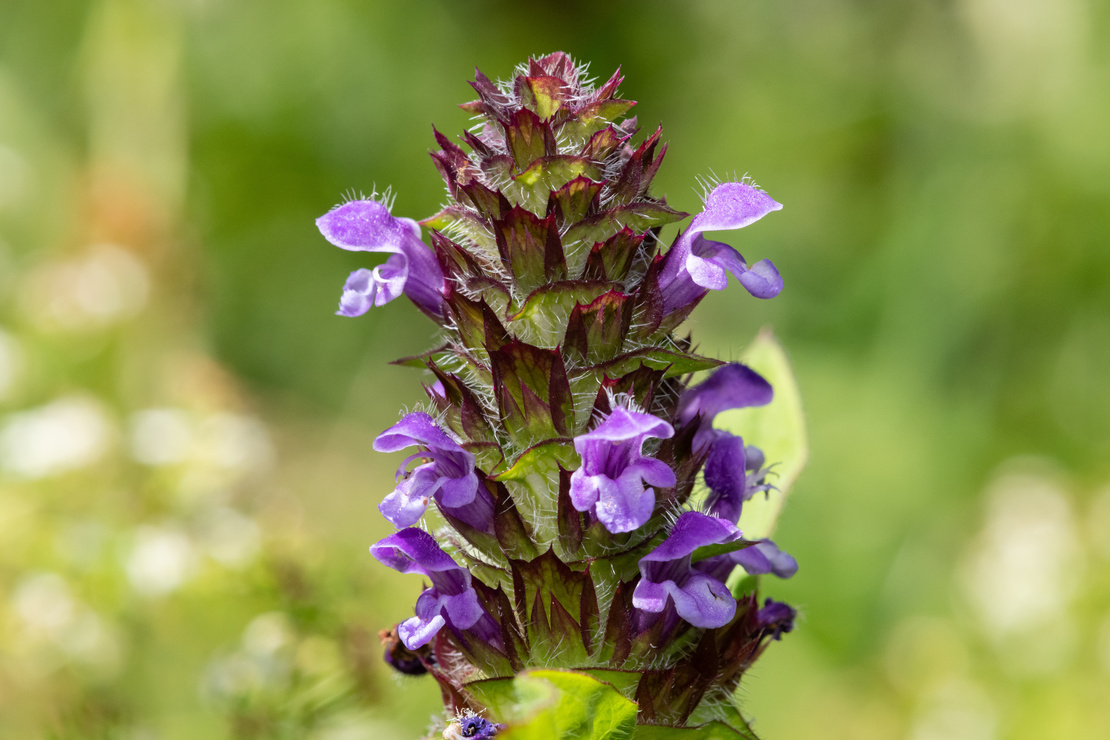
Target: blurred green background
[[187, 488]]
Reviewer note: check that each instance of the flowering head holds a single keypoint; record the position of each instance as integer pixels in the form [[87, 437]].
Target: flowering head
[[544, 275]]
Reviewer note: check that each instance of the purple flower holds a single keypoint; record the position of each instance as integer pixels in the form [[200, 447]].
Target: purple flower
[[448, 475], [411, 268], [667, 573], [734, 473], [473, 727], [776, 618], [698, 590], [695, 265], [613, 472], [733, 386], [451, 599]]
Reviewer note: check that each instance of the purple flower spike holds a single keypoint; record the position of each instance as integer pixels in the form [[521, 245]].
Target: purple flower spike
[[734, 473], [365, 225], [695, 264], [451, 597], [448, 475], [776, 618], [699, 597], [733, 386], [613, 472]]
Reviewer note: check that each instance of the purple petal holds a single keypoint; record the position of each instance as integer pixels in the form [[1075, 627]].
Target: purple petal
[[762, 280], [700, 600], [726, 476], [365, 225], [733, 386], [654, 472], [624, 505], [776, 618], [623, 425], [415, 429], [416, 632], [463, 608], [706, 273], [478, 512], [724, 256], [732, 205], [753, 458], [703, 601], [412, 551], [613, 471], [650, 596], [409, 500], [585, 489], [765, 557], [458, 492], [711, 260], [358, 293], [450, 477], [475, 728], [691, 531]]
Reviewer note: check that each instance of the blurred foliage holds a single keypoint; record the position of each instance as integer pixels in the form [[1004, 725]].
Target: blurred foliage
[[186, 482]]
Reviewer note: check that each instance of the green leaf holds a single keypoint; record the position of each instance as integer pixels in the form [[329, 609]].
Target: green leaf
[[710, 551], [717, 713], [499, 696], [478, 326], [638, 217], [612, 258], [602, 144], [674, 362], [557, 705], [469, 225], [778, 429], [623, 681]]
